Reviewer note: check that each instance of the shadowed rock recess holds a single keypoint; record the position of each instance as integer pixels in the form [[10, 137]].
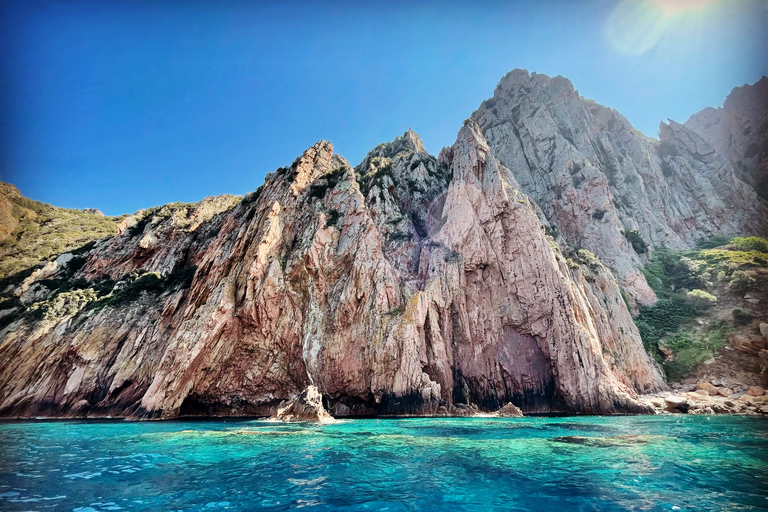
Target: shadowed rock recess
[[409, 285]]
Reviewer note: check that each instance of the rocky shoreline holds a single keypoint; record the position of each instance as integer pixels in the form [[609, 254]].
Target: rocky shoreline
[[706, 398]]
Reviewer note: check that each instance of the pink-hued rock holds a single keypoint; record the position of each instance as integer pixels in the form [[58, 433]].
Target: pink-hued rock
[[386, 311], [755, 391], [709, 388], [410, 285]]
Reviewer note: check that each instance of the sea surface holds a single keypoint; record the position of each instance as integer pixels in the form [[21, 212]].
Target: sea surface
[[651, 463]]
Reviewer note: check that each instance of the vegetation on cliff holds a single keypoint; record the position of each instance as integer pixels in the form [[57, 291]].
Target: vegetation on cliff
[[704, 295], [41, 232]]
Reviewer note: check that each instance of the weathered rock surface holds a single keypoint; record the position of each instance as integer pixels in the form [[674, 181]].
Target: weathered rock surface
[[510, 411], [308, 406], [739, 132], [402, 286], [409, 285], [599, 181]]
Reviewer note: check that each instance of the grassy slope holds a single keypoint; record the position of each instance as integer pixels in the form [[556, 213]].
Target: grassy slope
[[43, 231], [685, 329]]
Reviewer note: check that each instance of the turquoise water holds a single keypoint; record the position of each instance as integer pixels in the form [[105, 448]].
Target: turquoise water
[[478, 464]]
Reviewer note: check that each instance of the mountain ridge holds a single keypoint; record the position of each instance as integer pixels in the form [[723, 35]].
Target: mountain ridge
[[410, 284]]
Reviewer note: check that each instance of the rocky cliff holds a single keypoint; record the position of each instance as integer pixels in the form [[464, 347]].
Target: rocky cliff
[[605, 186], [406, 285], [739, 132]]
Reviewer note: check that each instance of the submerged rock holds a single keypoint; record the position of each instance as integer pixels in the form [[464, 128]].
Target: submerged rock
[[308, 406]]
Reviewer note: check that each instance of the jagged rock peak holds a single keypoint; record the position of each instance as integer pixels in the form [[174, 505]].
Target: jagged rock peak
[[521, 78], [749, 96], [407, 143]]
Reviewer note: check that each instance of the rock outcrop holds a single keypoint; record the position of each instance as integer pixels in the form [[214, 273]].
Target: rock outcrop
[[409, 285], [308, 406], [739, 132]]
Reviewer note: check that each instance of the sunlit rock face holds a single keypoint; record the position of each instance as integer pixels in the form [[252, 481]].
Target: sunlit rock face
[[739, 132], [595, 177], [407, 285]]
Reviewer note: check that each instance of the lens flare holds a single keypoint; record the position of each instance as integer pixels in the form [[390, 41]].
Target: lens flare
[[636, 26], [681, 5]]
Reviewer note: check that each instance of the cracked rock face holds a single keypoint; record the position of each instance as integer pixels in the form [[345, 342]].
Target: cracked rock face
[[407, 285], [739, 132], [596, 178]]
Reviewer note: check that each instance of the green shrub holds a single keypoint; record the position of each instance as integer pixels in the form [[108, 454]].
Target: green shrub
[[43, 232], [333, 218], [638, 244], [751, 243], [741, 281], [691, 349], [587, 258], [713, 242], [150, 282], [741, 316], [625, 298], [63, 305], [700, 299]]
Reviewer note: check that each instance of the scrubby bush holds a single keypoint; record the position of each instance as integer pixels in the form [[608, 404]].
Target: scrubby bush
[[638, 244], [692, 348], [63, 304], [44, 231], [741, 281], [587, 258], [750, 243], [713, 242], [700, 299]]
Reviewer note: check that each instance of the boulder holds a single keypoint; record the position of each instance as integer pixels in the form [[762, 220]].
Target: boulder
[[510, 411], [726, 392], [764, 329], [755, 391], [702, 392], [308, 406], [677, 403], [706, 386], [748, 345]]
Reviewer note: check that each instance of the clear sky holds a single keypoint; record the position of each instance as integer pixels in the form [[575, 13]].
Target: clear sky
[[122, 105]]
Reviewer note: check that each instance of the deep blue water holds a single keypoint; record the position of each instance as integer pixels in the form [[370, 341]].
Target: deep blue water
[[478, 464]]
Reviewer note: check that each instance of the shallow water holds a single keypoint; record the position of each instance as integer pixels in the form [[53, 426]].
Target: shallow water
[[478, 464]]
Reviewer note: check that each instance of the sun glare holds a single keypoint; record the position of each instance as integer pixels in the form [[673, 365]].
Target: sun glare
[[636, 26], [677, 6]]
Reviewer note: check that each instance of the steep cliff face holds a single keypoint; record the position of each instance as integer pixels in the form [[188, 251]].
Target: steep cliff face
[[603, 185], [739, 132], [398, 288], [407, 285]]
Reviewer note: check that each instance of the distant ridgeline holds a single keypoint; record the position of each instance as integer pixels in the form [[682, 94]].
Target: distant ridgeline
[[505, 270]]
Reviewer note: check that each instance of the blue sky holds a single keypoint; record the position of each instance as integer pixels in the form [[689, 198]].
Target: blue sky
[[122, 105]]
